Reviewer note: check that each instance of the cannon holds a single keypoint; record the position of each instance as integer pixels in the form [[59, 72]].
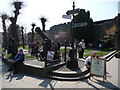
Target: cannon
[[47, 46], [42, 34]]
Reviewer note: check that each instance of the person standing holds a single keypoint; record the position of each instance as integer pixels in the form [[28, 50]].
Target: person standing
[[35, 49], [19, 58], [29, 47], [81, 48]]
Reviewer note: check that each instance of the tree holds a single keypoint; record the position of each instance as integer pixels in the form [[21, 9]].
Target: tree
[[43, 20], [111, 31], [5, 39], [33, 26], [23, 41], [118, 33], [13, 32], [83, 32]]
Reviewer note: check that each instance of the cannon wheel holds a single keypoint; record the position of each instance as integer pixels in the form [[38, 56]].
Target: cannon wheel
[[40, 58], [39, 55]]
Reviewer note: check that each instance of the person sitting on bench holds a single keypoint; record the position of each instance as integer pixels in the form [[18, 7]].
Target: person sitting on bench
[[19, 58], [89, 58]]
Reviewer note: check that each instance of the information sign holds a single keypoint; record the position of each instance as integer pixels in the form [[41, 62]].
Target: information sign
[[79, 24], [66, 16], [69, 12], [98, 67]]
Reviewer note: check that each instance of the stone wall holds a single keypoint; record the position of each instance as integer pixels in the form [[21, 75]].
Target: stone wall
[[60, 33], [100, 28]]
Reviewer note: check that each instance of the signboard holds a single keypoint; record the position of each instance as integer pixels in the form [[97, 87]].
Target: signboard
[[50, 55], [98, 67], [69, 12], [79, 24], [66, 16]]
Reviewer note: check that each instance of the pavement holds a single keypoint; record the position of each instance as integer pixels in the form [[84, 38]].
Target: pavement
[[20, 80]]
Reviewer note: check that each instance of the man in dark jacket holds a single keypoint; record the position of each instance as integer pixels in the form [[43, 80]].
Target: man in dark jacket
[[19, 58]]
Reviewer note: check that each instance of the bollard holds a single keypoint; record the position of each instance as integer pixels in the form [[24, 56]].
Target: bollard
[[65, 51]]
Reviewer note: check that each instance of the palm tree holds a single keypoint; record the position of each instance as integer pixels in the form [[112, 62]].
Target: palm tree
[[14, 28], [43, 20], [23, 42], [4, 17], [17, 5], [33, 26]]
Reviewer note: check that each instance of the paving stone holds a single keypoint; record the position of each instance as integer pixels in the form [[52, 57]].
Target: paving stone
[[26, 81]]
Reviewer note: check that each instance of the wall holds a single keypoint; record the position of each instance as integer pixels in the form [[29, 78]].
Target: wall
[[60, 33]]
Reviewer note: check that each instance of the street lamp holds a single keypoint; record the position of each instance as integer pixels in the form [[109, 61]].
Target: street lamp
[[72, 12], [73, 7]]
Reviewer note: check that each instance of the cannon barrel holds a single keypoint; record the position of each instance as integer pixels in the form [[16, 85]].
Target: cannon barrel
[[42, 34]]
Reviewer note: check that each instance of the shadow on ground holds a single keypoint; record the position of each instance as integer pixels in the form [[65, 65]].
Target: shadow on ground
[[105, 84], [48, 83], [10, 76]]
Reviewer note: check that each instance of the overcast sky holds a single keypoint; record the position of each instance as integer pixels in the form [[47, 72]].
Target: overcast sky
[[54, 9]]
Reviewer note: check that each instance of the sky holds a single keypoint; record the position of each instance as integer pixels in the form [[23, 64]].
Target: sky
[[54, 9]]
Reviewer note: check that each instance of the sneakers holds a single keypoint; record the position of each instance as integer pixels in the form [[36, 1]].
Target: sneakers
[[14, 72], [10, 69]]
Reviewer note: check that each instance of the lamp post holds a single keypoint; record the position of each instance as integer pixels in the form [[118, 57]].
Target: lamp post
[[73, 8], [72, 12], [65, 50], [72, 21], [72, 29]]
